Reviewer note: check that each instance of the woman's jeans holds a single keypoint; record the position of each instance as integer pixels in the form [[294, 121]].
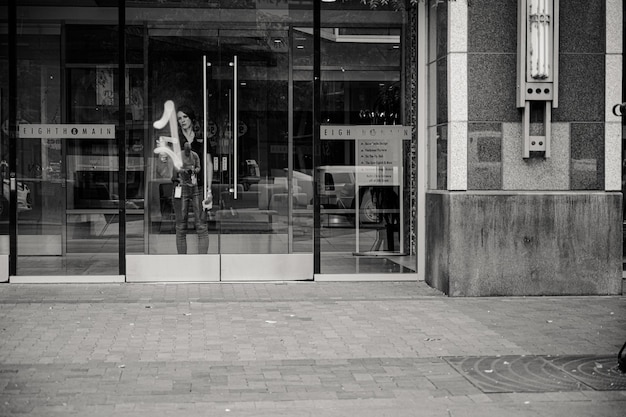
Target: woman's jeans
[[190, 197]]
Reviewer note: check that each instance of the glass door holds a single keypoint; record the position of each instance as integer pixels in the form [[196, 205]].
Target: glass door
[[255, 192], [225, 94]]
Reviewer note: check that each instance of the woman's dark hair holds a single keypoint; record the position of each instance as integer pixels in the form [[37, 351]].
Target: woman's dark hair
[[188, 111]]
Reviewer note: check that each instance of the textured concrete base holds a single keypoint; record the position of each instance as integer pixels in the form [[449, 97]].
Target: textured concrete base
[[494, 243]]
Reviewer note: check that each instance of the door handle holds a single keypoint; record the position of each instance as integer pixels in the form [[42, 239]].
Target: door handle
[[205, 113], [235, 126]]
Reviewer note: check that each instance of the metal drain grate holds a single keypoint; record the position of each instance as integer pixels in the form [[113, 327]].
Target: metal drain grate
[[600, 373], [504, 374]]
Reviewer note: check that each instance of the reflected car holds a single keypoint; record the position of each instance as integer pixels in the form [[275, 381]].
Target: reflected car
[[337, 192], [24, 199]]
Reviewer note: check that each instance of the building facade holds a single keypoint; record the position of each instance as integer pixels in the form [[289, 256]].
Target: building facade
[[530, 203], [468, 144]]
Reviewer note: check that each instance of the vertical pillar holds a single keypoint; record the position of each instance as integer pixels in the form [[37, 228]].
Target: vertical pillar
[[613, 94], [121, 136], [457, 95], [12, 12]]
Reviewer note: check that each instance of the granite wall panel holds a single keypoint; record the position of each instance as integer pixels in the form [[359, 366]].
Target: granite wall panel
[[535, 173], [484, 156], [492, 85], [582, 26], [581, 88], [587, 156], [490, 24]]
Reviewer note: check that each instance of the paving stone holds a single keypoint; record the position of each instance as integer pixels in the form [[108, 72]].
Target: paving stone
[[311, 349]]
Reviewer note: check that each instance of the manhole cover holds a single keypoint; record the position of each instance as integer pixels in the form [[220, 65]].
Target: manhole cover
[[515, 374], [600, 373]]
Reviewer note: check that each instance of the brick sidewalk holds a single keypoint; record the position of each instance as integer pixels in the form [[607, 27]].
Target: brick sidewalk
[[305, 348]]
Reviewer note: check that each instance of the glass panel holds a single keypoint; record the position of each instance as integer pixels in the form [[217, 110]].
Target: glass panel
[[438, 96], [136, 137], [361, 172], [225, 75], [39, 161], [302, 50], [4, 132], [92, 216], [67, 154], [256, 219]]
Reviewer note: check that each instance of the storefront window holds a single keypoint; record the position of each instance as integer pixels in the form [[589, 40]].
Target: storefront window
[[67, 107], [4, 129], [109, 186], [361, 174]]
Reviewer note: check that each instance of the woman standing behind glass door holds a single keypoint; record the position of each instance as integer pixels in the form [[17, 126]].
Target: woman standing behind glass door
[[188, 183]]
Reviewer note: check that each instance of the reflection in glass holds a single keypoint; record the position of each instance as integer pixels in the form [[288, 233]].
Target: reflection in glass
[[4, 139], [360, 205], [257, 206], [72, 226]]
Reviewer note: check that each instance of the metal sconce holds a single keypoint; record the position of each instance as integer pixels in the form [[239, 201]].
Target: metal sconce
[[537, 71]]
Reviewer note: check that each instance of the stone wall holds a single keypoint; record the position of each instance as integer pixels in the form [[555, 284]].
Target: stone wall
[[501, 224], [579, 140], [523, 243]]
